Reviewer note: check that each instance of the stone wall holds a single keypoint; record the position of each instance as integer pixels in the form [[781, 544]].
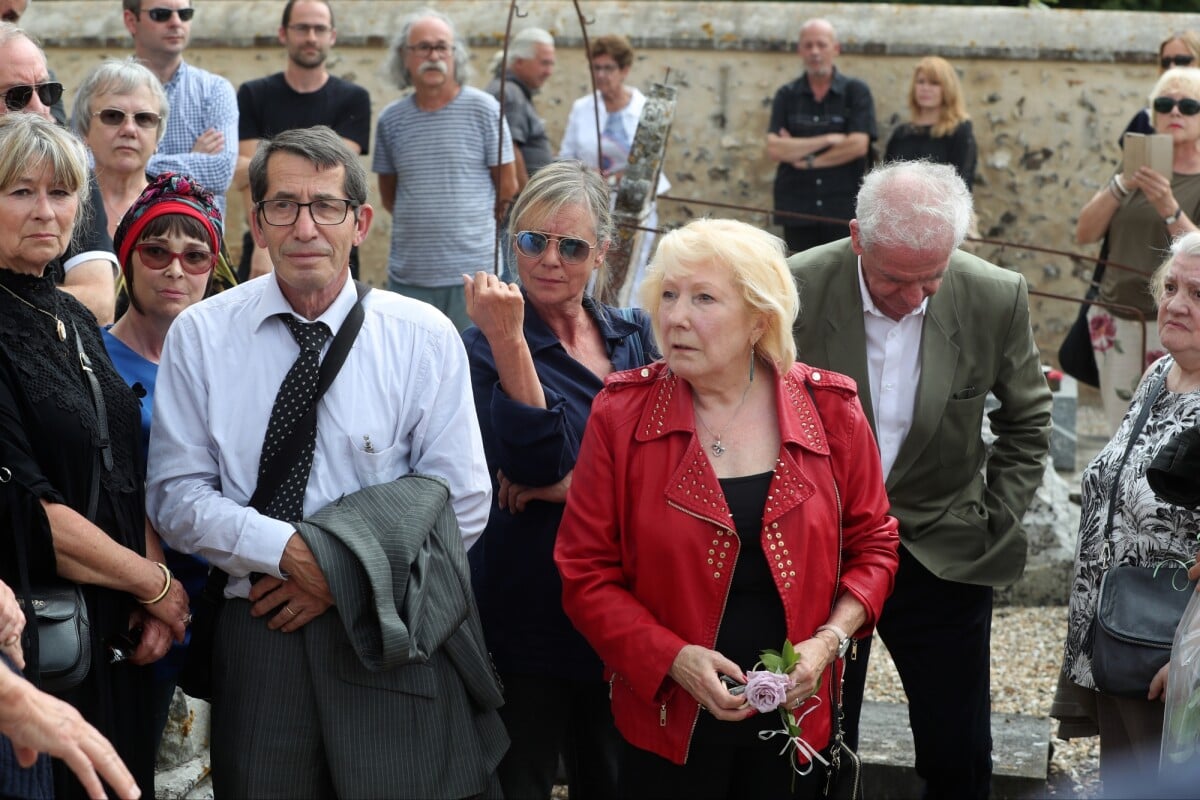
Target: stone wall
[[1049, 91]]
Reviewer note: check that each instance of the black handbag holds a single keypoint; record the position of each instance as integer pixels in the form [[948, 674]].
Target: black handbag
[[1138, 607], [196, 678], [1136, 616], [1075, 354], [843, 779]]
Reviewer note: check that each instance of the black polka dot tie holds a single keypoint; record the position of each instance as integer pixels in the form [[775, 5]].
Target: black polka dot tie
[[291, 404]]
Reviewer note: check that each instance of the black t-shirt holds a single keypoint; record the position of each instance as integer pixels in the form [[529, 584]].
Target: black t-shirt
[[267, 106]]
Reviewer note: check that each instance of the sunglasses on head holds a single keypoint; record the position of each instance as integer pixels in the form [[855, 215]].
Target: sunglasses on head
[[157, 256], [570, 249], [115, 117], [164, 14], [1187, 106], [19, 96], [1176, 61]]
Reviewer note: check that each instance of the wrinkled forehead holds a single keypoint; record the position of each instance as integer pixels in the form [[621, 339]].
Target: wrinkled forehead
[[21, 61], [430, 29]]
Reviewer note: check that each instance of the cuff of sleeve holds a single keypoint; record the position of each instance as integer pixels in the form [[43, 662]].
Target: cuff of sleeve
[[90, 255], [267, 545]]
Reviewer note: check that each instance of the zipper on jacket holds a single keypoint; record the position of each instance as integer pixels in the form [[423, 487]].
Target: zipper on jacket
[[611, 681], [853, 656], [662, 717]]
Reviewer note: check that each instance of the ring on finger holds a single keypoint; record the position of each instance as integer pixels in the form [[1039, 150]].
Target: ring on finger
[[289, 610]]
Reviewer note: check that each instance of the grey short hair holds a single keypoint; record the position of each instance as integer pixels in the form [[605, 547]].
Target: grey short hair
[[917, 205], [10, 32], [28, 140], [117, 76], [560, 184], [524, 44], [1187, 245], [395, 66], [319, 145]]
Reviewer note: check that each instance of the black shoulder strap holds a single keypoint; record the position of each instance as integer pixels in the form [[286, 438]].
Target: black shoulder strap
[[330, 366], [1138, 424]]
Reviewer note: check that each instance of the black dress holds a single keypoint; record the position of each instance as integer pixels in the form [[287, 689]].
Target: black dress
[[911, 142], [49, 443]]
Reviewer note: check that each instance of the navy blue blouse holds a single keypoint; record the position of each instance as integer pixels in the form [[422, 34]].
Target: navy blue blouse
[[516, 583]]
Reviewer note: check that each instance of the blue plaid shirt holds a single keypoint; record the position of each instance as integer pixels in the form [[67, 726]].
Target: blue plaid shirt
[[199, 100]]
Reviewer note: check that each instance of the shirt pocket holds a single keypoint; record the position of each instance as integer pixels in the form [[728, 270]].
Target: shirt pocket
[[372, 465]]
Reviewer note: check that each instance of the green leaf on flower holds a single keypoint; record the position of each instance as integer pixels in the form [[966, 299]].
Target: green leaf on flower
[[789, 656], [772, 661]]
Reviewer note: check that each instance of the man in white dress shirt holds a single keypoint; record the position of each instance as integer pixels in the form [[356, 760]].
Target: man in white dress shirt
[[401, 403]]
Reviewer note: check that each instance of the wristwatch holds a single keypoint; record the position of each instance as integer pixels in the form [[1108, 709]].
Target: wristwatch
[[842, 637], [1171, 220]]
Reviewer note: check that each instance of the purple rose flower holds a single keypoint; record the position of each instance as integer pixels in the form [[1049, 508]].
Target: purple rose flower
[[766, 691]]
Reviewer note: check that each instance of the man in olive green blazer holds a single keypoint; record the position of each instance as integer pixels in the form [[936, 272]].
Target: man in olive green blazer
[[928, 331]]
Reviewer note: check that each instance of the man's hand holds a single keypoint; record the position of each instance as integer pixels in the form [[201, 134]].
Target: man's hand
[[513, 497], [212, 141], [301, 598]]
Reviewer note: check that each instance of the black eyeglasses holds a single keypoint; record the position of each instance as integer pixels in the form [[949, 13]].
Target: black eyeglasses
[[1187, 106], [17, 97], [328, 211], [115, 117], [1176, 61], [157, 256], [305, 29], [570, 249], [425, 49], [164, 14]]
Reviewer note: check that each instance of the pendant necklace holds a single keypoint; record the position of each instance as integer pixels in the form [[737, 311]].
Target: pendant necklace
[[58, 323], [716, 447]]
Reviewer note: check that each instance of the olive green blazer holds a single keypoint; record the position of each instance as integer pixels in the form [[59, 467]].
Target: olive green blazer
[[959, 504]]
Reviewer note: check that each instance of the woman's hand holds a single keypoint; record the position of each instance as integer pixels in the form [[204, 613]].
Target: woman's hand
[[1156, 188], [172, 610], [155, 640], [513, 497], [496, 308], [814, 656], [698, 669], [1158, 685], [12, 625]]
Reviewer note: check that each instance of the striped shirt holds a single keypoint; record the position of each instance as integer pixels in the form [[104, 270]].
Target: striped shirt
[[442, 220], [199, 100]]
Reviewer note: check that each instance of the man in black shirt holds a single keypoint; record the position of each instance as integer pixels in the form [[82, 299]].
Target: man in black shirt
[[822, 126], [301, 96]]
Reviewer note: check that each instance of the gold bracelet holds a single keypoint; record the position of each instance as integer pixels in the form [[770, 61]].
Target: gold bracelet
[[166, 585]]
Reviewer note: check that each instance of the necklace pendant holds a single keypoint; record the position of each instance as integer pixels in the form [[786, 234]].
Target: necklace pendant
[[717, 448], [62, 330]]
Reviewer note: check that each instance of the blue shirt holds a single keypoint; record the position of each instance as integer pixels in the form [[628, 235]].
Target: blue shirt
[[516, 583], [199, 100]]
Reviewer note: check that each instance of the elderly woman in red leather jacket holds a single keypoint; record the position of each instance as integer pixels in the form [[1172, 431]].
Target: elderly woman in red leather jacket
[[711, 496]]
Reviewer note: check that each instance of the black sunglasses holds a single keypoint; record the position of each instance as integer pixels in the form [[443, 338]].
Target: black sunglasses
[[1176, 61], [570, 249], [115, 117], [164, 14], [1187, 106], [19, 96]]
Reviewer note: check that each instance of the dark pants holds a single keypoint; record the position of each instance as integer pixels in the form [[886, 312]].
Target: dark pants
[[548, 717], [717, 769], [802, 237], [938, 633]]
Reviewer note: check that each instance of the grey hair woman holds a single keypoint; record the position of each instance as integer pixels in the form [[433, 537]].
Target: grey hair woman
[[73, 494], [121, 113], [539, 353]]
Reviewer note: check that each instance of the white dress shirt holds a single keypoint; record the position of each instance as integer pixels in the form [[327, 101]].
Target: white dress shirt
[[894, 369], [401, 403]]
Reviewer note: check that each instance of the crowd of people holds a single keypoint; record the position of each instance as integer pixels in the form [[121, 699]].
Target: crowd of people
[[446, 536]]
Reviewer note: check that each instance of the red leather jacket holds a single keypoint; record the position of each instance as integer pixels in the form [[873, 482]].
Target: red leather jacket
[[646, 547]]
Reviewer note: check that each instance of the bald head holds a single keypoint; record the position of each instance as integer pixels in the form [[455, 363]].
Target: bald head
[[818, 47]]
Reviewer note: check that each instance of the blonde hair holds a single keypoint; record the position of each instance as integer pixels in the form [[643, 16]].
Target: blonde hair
[[954, 110], [1190, 39], [755, 260]]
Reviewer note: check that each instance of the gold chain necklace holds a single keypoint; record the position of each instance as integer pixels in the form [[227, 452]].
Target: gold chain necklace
[[58, 323], [717, 448]]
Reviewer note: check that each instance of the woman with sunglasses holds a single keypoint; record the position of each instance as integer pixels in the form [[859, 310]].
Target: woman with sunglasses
[[1177, 50], [120, 112], [1141, 213], [70, 486], [168, 243], [539, 353]]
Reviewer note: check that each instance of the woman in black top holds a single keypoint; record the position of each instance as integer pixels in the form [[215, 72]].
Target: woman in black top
[[939, 128]]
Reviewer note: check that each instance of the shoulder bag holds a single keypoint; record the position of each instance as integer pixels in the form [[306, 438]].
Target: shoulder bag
[[1075, 354], [195, 678], [1138, 607]]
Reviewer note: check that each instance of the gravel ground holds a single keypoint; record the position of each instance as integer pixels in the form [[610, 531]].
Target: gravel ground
[[1024, 673]]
